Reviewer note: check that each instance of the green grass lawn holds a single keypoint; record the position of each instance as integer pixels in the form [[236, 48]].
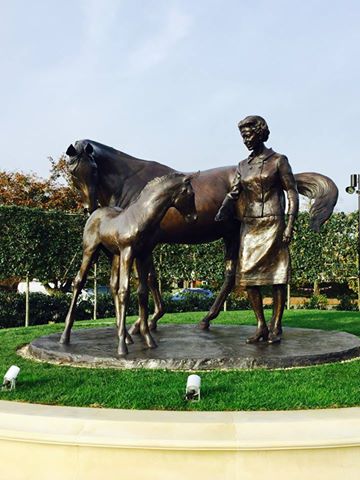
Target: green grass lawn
[[325, 386]]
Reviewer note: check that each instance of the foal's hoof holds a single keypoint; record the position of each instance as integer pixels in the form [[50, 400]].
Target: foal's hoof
[[129, 340], [135, 328], [261, 335], [204, 325]]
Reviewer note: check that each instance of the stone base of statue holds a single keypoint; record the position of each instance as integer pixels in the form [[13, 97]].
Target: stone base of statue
[[183, 347]]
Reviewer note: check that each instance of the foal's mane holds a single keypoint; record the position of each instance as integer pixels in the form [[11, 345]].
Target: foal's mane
[[156, 181]]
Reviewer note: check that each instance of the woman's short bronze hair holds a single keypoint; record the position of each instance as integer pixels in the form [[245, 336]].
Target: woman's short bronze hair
[[258, 123]]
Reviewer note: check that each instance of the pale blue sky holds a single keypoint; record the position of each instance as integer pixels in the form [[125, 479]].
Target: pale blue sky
[[168, 80]]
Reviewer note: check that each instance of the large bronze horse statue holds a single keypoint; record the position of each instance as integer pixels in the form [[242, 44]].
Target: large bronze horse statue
[[106, 176], [130, 234]]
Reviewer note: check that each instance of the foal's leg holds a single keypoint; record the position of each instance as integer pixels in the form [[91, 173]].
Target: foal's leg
[[231, 255], [126, 260], [89, 255], [114, 286], [143, 294], [158, 303]]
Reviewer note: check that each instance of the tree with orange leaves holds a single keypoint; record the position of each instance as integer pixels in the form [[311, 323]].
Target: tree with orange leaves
[[30, 190]]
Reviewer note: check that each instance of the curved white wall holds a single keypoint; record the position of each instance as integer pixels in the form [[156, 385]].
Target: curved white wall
[[51, 443]]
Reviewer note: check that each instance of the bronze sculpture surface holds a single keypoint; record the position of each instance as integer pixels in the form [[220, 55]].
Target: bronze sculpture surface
[[106, 176], [129, 234], [261, 180]]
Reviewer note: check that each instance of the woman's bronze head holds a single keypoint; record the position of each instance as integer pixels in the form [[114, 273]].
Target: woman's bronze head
[[258, 124]]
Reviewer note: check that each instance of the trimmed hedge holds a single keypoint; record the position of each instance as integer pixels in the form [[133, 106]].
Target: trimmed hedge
[[45, 308]]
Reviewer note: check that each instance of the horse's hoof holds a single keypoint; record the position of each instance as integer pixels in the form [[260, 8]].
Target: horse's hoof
[[152, 325], [274, 337], [123, 350], [204, 325], [64, 339], [150, 342], [261, 335], [134, 329], [152, 345]]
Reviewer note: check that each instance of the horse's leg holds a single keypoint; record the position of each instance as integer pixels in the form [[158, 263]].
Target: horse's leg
[[114, 287], [231, 255], [135, 327], [143, 294], [126, 260], [89, 255], [153, 283], [158, 303]]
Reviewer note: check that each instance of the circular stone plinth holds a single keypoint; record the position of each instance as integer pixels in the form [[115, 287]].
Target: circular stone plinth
[[184, 347]]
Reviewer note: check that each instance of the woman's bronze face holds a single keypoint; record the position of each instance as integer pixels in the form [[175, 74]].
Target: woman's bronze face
[[252, 138]]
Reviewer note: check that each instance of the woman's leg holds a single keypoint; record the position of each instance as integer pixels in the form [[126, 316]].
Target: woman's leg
[[279, 299], [255, 298]]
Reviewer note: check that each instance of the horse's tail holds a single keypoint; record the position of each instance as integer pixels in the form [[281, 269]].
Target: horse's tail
[[325, 193]]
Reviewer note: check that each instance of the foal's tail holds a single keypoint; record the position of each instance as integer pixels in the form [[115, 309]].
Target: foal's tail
[[325, 193]]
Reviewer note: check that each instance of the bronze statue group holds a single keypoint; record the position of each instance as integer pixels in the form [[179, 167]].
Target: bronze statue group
[[244, 205]]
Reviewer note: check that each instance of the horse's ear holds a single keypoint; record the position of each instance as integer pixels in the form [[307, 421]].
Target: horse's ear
[[190, 177], [89, 149], [71, 151]]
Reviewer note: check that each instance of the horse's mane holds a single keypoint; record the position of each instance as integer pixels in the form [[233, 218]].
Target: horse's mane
[[104, 152]]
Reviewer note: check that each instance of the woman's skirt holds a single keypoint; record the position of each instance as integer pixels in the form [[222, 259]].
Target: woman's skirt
[[263, 256]]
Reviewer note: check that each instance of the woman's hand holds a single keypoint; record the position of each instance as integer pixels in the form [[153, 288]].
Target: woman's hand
[[287, 235], [220, 217]]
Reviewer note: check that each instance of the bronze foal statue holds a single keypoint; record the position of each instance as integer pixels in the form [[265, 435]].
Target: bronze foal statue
[[130, 234]]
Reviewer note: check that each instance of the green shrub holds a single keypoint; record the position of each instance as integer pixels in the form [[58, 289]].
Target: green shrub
[[346, 303], [235, 302], [43, 309], [12, 309], [317, 302], [190, 302]]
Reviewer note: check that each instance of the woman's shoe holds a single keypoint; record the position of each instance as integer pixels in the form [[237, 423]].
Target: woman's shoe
[[261, 335]]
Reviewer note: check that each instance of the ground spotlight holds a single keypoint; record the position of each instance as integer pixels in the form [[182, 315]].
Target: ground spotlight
[[193, 385], [354, 182], [352, 188], [10, 377]]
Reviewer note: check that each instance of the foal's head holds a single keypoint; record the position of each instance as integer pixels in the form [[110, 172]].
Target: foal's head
[[184, 198]]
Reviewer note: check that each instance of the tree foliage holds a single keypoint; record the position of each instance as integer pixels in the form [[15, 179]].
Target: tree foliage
[[47, 244], [43, 244], [328, 256], [30, 190]]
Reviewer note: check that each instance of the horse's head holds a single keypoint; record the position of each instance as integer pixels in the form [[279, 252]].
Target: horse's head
[[84, 173], [184, 198]]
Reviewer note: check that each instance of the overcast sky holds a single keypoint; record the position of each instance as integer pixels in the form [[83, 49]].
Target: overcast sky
[[168, 80]]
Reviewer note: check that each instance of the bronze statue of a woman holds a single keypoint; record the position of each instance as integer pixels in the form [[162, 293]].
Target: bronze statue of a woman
[[261, 180]]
